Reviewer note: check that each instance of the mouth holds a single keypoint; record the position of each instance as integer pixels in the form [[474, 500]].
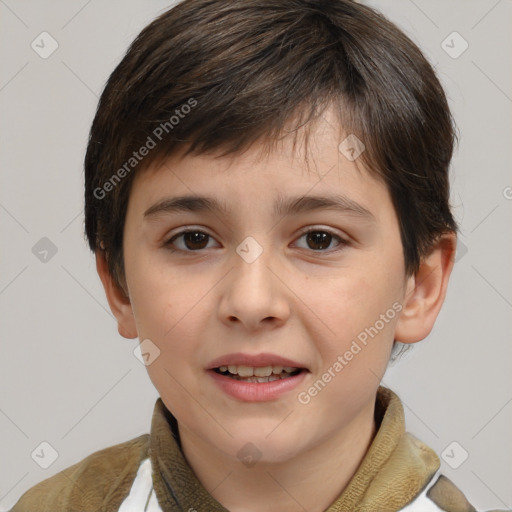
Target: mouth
[[256, 378], [259, 374]]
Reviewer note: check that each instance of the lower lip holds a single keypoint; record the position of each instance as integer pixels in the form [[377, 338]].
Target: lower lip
[[257, 391]]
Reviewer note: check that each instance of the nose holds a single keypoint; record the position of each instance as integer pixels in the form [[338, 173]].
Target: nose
[[254, 295]]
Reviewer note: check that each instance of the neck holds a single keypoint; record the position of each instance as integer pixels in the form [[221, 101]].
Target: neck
[[311, 480]]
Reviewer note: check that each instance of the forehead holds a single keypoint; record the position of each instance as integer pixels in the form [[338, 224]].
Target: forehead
[[319, 172]]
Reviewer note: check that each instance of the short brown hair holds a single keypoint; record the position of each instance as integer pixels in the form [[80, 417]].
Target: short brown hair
[[244, 69]]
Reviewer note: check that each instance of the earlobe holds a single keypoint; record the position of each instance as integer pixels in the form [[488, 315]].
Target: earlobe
[[118, 301], [426, 291]]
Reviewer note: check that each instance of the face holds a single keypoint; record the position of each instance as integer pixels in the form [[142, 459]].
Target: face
[[265, 281]]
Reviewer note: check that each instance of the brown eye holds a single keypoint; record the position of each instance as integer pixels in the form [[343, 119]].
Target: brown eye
[[320, 240], [195, 240], [192, 240]]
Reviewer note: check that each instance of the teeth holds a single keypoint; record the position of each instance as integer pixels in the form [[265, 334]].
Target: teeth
[[264, 371], [244, 371], [260, 374], [270, 378]]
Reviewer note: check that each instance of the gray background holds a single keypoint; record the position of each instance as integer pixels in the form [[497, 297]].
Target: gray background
[[69, 379]]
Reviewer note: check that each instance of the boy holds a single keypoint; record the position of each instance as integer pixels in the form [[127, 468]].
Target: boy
[[267, 297]]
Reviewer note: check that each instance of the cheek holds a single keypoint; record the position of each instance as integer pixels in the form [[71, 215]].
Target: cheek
[[358, 312], [355, 356], [170, 309], [169, 313], [161, 295], [349, 303]]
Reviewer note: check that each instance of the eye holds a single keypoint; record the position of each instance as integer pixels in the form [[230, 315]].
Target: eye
[[193, 240], [320, 239]]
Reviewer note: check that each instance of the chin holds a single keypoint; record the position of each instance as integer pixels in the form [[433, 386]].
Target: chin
[[264, 444]]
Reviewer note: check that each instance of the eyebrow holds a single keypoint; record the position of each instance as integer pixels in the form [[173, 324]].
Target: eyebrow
[[283, 206]]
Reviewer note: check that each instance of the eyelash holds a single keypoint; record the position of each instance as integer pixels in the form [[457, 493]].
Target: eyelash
[[341, 241]]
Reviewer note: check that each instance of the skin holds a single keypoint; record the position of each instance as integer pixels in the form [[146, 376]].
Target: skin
[[294, 300]]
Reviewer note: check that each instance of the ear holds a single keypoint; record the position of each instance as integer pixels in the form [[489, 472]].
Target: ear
[[425, 291], [118, 301]]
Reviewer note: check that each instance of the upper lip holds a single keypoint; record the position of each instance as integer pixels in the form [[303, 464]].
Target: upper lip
[[258, 360]]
